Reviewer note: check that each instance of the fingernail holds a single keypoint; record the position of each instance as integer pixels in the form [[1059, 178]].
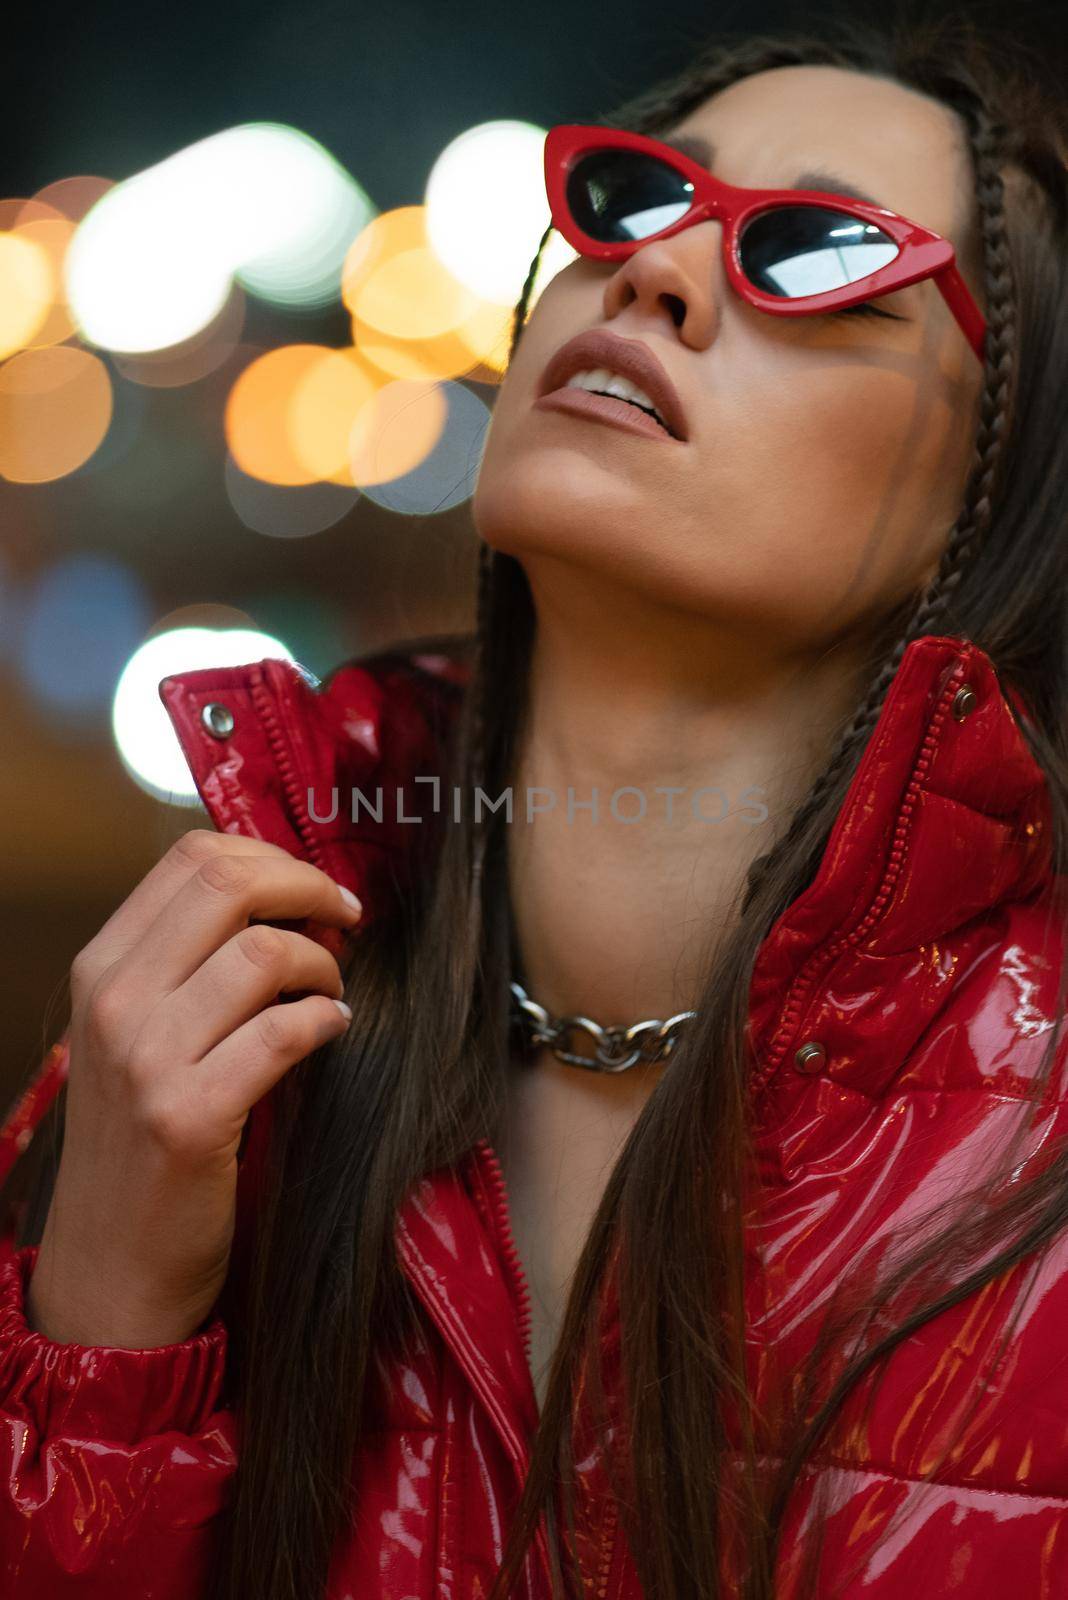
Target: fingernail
[[350, 900], [346, 1011]]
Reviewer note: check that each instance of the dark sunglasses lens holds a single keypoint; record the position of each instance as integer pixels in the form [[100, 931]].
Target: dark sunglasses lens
[[616, 195], [795, 251]]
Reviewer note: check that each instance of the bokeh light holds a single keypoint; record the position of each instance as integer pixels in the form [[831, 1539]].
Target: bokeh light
[[329, 398], [289, 210], [52, 235], [81, 618], [257, 417], [143, 269], [447, 474], [411, 318], [153, 261], [477, 348], [486, 206], [195, 357], [73, 197], [411, 295], [55, 408], [396, 430], [14, 213], [27, 287], [144, 735]]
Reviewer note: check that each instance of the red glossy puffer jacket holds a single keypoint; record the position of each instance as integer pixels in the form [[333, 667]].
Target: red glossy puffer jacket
[[921, 963]]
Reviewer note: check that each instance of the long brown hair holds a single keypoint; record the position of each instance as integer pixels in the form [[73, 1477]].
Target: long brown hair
[[420, 1075]]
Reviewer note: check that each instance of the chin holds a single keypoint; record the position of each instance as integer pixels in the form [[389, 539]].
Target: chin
[[551, 501]]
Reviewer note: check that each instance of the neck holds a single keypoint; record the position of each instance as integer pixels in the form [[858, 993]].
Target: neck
[[721, 735]]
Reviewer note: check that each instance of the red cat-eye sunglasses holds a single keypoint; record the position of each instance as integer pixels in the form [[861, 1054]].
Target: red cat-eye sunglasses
[[792, 252]]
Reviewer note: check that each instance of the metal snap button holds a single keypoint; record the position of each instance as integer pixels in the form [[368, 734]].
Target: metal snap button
[[964, 700], [218, 719], [811, 1057]]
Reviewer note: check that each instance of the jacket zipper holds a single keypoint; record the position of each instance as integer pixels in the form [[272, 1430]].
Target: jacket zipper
[[824, 957], [263, 701], [513, 1264], [608, 1565]]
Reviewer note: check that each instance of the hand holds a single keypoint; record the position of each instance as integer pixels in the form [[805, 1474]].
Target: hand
[[176, 1031]]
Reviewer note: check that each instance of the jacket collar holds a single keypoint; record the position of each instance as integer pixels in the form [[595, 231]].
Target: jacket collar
[[946, 816]]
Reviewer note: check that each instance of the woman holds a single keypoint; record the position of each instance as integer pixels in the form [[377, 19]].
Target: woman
[[776, 1308]]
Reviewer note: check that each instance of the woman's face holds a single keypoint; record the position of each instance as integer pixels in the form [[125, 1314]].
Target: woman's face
[[826, 456]]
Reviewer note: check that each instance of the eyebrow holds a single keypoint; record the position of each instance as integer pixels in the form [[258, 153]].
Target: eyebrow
[[699, 149]]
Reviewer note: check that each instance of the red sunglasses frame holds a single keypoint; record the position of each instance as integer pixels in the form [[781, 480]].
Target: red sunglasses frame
[[921, 253]]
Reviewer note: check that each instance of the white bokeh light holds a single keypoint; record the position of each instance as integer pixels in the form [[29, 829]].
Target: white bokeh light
[[142, 271], [144, 736], [154, 260], [289, 210], [486, 207]]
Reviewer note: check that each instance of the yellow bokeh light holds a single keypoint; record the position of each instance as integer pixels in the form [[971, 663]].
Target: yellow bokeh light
[[457, 354], [27, 285], [396, 431], [55, 408], [411, 296], [385, 236], [411, 317], [328, 398], [488, 334], [53, 236], [418, 361]]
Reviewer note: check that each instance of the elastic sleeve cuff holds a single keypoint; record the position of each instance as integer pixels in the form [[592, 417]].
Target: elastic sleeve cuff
[[100, 1391]]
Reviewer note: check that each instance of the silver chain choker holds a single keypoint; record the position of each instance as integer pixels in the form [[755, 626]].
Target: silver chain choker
[[617, 1047]]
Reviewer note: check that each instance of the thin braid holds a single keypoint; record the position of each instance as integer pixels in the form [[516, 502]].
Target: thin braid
[[520, 315], [986, 142], [987, 137], [479, 686], [476, 767]]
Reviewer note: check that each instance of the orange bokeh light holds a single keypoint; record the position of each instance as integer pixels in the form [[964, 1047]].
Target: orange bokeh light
[[13, 213], [55, 408], [385, 236], [396, 431], [27, 286], [52, 235], [73, 197], [290, 413], [329, 397], [412, 319], [257, 414], [412, 296]]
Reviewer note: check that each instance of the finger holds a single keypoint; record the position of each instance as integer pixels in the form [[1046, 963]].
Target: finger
[[235, 983], [212, 905], [128, 923], [230, 1079]]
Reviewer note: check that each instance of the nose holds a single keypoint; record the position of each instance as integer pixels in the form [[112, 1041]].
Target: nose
[[681, 277]]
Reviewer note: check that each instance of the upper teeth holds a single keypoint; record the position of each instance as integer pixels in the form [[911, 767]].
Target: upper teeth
[[599, 380]]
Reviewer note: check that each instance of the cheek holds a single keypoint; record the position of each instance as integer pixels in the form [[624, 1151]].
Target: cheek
[[860, 468]]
